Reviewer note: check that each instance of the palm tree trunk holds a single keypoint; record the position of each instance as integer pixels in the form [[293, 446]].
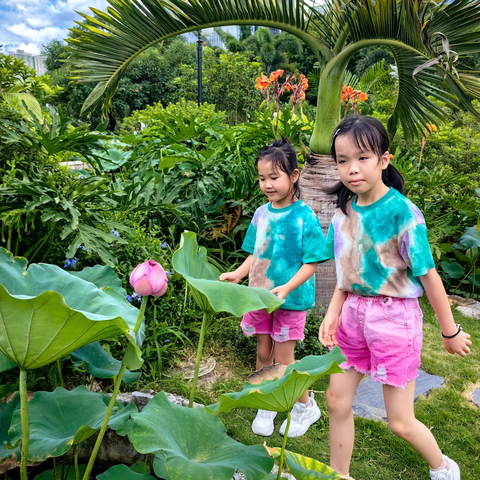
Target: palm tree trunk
[[320, 171]]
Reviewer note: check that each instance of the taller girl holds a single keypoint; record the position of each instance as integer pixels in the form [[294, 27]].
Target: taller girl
[[378, 239]]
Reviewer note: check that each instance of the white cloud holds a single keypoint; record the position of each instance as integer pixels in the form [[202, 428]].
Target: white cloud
[[29, 24]]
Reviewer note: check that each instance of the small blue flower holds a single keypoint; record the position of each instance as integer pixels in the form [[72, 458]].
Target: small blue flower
[[111, 245], [302, 345], [81, 247], [164, 245], [167, 341], [135, 295], [70, 262], [81, 176], [169, 273], [67, 263], [115, 233], [129, 298]]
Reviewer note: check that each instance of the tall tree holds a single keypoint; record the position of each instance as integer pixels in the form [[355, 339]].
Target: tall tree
[[425, 38]]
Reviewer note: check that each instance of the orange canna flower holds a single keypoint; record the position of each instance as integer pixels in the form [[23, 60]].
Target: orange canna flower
[[262, 82], [431, 127], [362, 97], [274, 75]]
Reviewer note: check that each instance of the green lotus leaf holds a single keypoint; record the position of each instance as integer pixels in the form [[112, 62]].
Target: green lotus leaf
[[50, 474], [101, 276], [305, 468], [61, 419], [471, 237], [280, 394], [195, 443], [7, 388], [100, 363], [46, 313], [453, 270], [5, 363], [160, 465], [210, 293], [8, 456], [122, 472], [140, 467]]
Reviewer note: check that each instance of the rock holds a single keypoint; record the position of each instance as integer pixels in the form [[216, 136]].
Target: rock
[[140, 399], [368, 402], [476, 397], [463, 302], [472, 311]]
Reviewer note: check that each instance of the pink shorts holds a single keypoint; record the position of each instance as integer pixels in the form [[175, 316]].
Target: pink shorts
[[382, 336], [281, 325]]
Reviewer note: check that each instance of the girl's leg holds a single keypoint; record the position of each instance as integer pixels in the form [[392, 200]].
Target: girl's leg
[[264, 351], [402, 422], [284, 354], [340, 395]]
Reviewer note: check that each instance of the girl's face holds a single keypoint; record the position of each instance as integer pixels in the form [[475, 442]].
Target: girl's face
[[276, 184], [361, 171]]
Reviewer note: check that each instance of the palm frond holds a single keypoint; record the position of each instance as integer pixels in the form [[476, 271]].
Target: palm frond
[[110, 40]]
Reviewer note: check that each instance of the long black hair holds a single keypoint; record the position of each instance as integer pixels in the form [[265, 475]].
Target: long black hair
[[368, 133], [282, 154]]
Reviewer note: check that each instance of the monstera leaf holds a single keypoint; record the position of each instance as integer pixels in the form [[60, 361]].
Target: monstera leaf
[[194, 443], [280, 395], [210, 293], [100, 364], [122, 472], [61, 419], [46, 313]]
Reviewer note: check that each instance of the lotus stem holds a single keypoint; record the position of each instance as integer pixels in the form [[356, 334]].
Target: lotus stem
[[116, 389], [60, 376], [199, 356], [77, 473], [284, 444], [140, 315], [102, 431], [25, 426]]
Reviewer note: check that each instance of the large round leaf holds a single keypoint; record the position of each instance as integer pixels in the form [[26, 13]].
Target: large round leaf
[[471, 237], [122, 472], [195, 443], [100, 363], [62, 418], [280, 395], [305, 468], [50, 474], [5, 363], [46, 313], [8, 456], [209, 292]]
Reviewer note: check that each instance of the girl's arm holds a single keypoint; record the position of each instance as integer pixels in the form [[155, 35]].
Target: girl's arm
[[326, 332], [241, 272], [305, 272], [432, 283]]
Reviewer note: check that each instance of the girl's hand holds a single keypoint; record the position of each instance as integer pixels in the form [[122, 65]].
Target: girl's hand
[[232, 277], [327, 330], [458, 344], [281, 292]]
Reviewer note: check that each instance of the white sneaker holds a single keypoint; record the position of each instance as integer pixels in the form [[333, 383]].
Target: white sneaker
[[301, 418], [453, 473], [263, 423]]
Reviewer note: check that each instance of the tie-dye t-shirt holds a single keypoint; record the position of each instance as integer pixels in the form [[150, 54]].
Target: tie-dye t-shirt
[[281, 241], [380, 249]]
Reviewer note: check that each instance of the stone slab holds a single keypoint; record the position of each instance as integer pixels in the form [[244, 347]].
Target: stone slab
[[368, 402], [476, 397], [472, 311]]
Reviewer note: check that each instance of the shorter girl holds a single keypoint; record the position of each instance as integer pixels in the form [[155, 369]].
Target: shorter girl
[[284, 241], [378, 239]]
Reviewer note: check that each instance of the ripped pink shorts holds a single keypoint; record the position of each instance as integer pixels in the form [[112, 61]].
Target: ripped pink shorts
[[382, 336], [281, 324]]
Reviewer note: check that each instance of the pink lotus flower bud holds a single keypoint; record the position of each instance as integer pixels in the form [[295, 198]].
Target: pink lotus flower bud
[[149, 278]]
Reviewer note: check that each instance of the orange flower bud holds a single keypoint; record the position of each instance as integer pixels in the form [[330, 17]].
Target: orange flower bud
[[431, 127]]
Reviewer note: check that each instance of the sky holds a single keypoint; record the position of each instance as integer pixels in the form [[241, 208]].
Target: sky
[[28, 24]]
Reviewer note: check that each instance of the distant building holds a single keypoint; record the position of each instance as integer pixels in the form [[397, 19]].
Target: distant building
[[36, 62]]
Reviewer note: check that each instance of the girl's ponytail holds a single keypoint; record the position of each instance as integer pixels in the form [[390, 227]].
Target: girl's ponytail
[[393, 178]]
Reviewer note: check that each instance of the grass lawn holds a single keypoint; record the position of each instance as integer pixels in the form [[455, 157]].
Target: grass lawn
[[378, 454]]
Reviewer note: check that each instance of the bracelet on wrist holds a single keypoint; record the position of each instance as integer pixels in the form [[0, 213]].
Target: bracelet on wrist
[[454, 335]]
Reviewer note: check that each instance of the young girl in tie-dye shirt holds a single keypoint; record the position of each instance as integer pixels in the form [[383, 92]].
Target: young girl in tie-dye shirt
[[378, 239], [285, 242]]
